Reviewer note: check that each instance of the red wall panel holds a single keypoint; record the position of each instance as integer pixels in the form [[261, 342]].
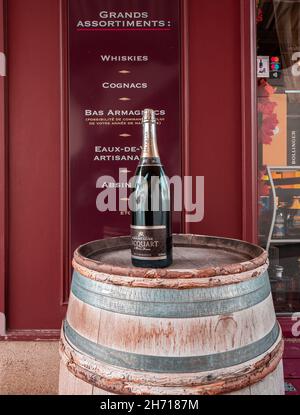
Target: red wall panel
[[2, 177], [34, 132], [215, 143], [37, 259]]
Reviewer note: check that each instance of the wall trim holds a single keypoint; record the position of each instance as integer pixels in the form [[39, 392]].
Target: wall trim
[[31, 335], [185, 88], [65, 274], [249, 120], [3, 174], [64, 139]]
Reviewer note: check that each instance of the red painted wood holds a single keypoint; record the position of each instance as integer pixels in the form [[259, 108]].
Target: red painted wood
[[249, 120], [66, 256], [34, 246], [215, 142], [2, 178], [217, 145], [185, 98], [291, 363], [291, 368], [290, 327], [292, 349]]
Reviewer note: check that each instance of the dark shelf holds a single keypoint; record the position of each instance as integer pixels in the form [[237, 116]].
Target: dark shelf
[[285, 181]]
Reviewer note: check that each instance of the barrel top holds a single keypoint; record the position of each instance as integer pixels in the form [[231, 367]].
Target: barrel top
[[195, 256]]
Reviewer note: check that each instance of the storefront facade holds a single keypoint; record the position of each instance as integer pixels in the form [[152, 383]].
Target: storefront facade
[[220, 139]]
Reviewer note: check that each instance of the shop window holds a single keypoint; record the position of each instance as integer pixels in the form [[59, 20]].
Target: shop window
[[278, 104]]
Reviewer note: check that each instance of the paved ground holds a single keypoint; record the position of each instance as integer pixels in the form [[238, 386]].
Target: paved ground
[[29, 368]]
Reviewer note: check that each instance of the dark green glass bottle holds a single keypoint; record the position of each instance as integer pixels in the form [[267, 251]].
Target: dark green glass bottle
[[151, 227]]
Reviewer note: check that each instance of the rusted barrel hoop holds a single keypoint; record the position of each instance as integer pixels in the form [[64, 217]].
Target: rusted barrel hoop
[[166, 364], [168, 303], [117, 381], [174, 283], [257, 257]]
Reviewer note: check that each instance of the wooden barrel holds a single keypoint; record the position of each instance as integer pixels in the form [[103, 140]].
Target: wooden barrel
[[204, 326]]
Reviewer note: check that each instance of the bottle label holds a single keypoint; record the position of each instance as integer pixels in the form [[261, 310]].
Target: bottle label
[[149, 242]]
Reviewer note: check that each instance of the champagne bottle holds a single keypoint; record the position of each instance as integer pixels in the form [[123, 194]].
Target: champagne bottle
[[151, 234]]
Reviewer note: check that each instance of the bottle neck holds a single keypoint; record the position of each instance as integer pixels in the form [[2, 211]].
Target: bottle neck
[[150, 147]]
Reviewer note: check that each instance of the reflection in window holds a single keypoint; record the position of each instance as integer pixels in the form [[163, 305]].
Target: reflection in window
[[278, 104]]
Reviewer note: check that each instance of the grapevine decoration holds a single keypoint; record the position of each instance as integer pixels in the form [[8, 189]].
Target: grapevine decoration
[[267, 118], [267, 124]]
